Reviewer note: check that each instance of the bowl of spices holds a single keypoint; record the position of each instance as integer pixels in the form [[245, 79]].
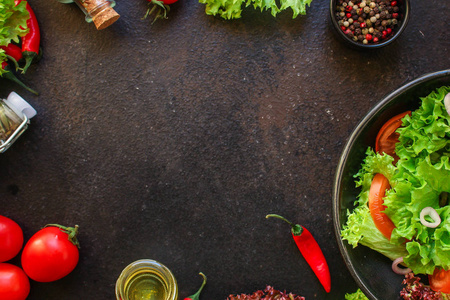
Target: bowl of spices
[[369, 24]]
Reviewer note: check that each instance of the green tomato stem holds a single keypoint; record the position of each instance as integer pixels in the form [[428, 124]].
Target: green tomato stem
[[71, 232]]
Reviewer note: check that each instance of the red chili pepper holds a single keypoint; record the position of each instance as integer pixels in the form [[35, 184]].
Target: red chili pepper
[[31, 41], [311, 252], [10, 76], [197, 295], [13, 52]]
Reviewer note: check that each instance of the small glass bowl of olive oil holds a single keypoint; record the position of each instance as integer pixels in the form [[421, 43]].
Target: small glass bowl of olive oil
[[146, 279]]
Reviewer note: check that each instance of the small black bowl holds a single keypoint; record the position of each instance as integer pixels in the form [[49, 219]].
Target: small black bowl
[[405, 11], [371, 270]]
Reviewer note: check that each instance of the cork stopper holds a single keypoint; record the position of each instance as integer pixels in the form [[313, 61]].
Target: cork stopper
[[105, 18]]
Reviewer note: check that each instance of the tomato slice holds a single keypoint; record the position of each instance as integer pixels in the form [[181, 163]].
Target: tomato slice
[[378, 189], [440, 280], [387, 137]]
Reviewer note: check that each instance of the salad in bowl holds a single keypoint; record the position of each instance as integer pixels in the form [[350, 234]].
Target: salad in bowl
[[402, 205]]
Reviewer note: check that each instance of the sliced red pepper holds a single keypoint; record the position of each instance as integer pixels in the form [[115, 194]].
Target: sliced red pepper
[[311, 251], [10, 76], [31, 41]]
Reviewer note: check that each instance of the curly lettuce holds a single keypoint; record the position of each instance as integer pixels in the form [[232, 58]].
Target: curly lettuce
[[358, 295], [232, 9], [360, 228], [420, 179], [13, 24]]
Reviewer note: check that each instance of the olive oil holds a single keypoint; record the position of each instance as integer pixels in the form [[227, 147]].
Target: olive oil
[[146, 285], [146, 279]]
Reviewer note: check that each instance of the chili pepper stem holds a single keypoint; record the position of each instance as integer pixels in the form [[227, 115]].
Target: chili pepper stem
[[29, 58], [295, 228], [10, 76], [71, 231], [196, 296], [160, 8], [16, 64]]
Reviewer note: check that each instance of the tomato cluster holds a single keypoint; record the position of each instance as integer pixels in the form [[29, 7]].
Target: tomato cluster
[[49, 255]]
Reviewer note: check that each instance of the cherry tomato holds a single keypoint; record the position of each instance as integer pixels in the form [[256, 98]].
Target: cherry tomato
[[14, 284], [51, 253], [387, 137], [440, 280], [11, 239], [378, 189]]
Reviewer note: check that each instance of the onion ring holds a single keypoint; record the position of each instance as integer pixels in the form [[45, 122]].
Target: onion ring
[[397, 269], [432, 213], [447, 103]]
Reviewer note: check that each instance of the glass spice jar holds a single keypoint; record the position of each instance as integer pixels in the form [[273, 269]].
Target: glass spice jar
[[146, 279], [100, 12], [15, 115]]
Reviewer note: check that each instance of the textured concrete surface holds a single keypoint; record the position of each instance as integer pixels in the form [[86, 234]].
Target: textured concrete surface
[[173, 141]]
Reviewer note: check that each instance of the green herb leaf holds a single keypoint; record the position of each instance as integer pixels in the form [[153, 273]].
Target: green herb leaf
[[13, 24], [297, 6], [13, 21], [232, 9], [3, 58], [358, 295]]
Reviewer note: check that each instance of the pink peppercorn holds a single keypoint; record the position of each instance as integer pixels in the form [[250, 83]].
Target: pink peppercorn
[[368, 37], [394, 3], [375, 40], [395, 15], [389, 30], [362, 25]]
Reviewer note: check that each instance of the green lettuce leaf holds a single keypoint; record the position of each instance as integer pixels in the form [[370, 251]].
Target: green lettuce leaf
[[13, 21], [232, 9], [358, 295], [3, 58], [13, 24], [360, 228], [419, 179]]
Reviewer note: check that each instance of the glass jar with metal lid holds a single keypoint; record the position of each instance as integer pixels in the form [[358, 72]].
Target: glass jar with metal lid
[[15, 115]]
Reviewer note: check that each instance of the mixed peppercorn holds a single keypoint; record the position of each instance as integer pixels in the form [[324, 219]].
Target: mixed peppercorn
[[368, 21]]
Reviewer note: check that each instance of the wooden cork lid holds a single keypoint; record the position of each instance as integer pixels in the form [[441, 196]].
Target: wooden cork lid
[[105, 18]]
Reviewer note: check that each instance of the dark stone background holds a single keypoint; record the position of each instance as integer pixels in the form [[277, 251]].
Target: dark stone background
[[173, 141]]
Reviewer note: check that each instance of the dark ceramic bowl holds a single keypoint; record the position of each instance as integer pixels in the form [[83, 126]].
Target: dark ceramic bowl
[[405, 13], [371, 270]]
